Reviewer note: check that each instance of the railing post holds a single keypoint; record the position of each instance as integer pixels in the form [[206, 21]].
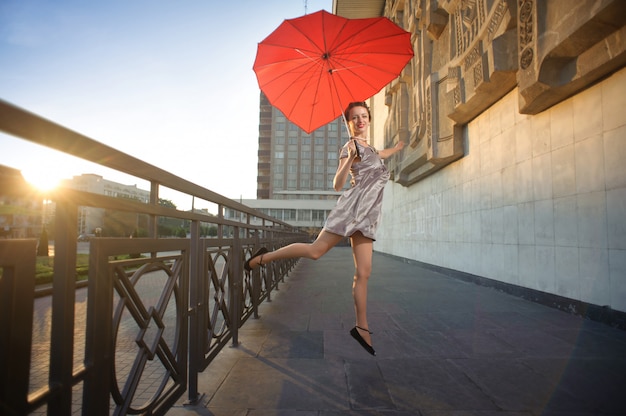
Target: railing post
[[99, 348], [63, 300], [17, 287], [196, 312], [256, 281], [236, 279]]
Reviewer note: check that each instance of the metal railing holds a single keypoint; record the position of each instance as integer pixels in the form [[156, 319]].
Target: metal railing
[[152, 322]]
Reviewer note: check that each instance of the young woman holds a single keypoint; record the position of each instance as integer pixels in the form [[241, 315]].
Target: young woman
[[356, 215]]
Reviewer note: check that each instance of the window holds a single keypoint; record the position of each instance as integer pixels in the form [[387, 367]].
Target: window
[[304, 215], [305, 154], [318, 215], [279, 155]]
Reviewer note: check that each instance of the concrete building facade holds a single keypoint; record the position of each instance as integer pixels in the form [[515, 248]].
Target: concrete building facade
[[91, 218], [514, 112]]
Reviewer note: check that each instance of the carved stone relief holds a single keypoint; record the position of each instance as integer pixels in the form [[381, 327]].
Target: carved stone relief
[[565, 46], [459, 70], [470, 53]]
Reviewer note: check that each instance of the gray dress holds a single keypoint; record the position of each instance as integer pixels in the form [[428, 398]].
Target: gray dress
[[359, 208]]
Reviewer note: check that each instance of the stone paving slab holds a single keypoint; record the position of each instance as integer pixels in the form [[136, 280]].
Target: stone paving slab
[[445, 347]]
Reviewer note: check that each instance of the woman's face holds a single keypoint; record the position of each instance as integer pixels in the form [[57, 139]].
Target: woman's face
[[360, 120]]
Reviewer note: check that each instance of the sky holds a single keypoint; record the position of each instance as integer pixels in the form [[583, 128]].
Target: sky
[[168, 82]]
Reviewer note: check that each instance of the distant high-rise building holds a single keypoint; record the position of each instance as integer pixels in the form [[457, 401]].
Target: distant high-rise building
[[292, 163], [296, 169]]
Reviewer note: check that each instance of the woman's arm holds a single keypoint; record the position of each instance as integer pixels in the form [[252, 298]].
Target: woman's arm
[[385, 153], [341, 176]]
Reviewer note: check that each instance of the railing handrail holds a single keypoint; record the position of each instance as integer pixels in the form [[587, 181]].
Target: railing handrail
[[21, 123]]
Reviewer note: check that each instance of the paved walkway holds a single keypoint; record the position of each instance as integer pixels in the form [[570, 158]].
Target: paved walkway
[[444, 348]]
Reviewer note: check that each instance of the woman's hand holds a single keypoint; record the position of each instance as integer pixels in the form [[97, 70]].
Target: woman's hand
[[352, 152], [385, 153]]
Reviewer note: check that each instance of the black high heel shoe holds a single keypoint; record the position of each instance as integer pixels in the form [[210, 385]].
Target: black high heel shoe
[[259, 252], [355, 334]]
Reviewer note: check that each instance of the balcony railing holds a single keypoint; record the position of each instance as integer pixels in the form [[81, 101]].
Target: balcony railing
[[135, 340]]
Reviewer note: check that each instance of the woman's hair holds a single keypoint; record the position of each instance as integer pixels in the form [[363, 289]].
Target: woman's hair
[[346, 113]]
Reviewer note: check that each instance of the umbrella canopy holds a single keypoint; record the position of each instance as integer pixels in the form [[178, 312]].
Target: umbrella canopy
[[312, 66]]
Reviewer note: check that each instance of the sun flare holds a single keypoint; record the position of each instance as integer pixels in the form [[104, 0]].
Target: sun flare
[[42, 179]]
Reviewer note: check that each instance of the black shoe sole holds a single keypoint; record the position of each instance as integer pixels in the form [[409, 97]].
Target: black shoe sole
[[355, 334], [246, 264]]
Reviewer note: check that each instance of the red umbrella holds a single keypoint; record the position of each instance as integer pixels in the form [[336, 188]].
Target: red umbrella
[[312, 66]]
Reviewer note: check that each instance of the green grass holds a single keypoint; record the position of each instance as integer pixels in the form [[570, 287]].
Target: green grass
[[44, 268]]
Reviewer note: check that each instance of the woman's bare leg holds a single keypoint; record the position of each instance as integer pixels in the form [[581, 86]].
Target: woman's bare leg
[[362, 248], [324, 242]]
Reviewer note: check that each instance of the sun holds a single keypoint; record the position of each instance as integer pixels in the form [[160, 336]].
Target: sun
[[42, 179]]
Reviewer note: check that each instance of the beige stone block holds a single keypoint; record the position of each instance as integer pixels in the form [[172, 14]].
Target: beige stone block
[[617, 273], [509, 104], [542, 176], [497, 226], [540, 133], [544, 268], [496, 189], [589, 156], [592, 220], [508, 148], [526, 222], [509, 225], [594, 276], [587, 113], [562, 124], [509, 189], [484, 126], [526, 266], [523, 141], [510, 273], [563, 171], [524, 181], [616, 217], [486, 157], [566, 221], [614, 101], [615, 157], [497, 150], [567, 275], [495, 119], [486, 226], [544, 222]]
